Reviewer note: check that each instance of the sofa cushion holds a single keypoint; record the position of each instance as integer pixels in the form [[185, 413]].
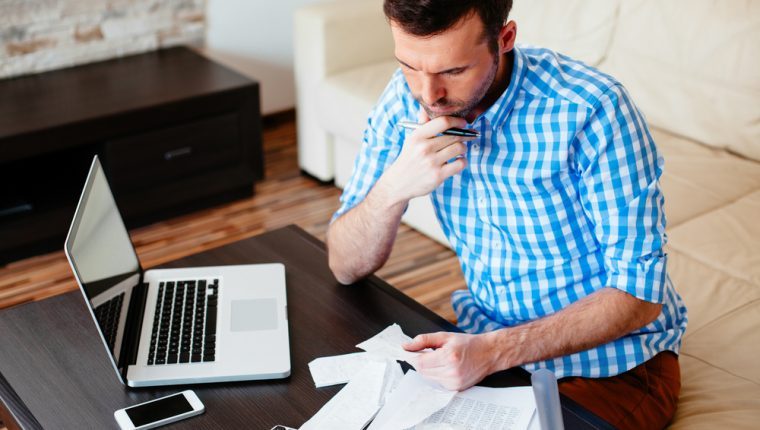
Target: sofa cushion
[[727, 239], [581, 29], [345, 99], [713, 398], [708, 293], [691, 66], [720, 377], [731, 342], [697, 178]]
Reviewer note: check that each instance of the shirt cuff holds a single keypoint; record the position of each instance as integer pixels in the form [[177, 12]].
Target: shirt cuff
[[344, 207], [643, 277]]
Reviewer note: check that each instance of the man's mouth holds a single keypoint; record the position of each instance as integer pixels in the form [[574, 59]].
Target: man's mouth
[[441, 111]]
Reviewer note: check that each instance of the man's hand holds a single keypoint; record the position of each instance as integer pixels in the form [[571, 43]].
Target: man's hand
[[458, 360], [423, 163], [360, 241]]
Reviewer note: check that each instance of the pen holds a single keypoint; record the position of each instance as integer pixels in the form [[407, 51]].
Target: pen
[[450, 132]]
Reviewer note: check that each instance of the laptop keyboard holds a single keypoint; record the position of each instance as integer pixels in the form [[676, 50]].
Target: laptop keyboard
[[108, 314], [184, 325]]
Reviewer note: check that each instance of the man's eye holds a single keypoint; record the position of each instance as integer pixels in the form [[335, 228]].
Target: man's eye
[[455, 72]]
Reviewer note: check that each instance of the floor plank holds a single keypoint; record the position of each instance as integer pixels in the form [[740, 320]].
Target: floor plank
[[419, 266]]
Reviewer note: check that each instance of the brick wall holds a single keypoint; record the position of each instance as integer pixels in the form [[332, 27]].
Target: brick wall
[[40, 35]]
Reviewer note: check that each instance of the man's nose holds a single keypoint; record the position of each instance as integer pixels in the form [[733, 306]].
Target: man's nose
[[432, 91]]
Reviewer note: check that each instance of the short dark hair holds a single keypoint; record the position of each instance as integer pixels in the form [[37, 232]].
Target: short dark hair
[[432, 17]]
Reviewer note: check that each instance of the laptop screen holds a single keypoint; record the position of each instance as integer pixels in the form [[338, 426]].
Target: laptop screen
[[103, 258]]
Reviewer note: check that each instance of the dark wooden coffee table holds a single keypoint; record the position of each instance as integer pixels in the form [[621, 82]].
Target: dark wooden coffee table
[[54, 372]]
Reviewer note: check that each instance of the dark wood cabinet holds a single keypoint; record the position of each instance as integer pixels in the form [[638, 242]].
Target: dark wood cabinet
[[175, 132]]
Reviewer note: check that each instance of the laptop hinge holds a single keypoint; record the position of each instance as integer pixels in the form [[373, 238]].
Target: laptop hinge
[[133, 327]]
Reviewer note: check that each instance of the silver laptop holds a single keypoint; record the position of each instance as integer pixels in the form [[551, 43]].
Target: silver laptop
[[174, 326]]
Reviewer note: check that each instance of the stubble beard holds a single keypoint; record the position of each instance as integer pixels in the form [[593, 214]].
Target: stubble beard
[[465, 107]]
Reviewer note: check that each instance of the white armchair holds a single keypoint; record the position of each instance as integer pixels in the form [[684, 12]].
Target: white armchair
[[332, 38]]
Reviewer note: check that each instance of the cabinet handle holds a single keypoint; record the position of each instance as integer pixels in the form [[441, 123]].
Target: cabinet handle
[[176, 153], [13, 210]]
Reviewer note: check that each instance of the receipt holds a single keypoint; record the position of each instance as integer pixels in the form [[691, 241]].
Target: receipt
[[420, 404], [355, 405], [393, 376], [372, 377], [412, 402], [486, 408], [338, 369], [387, 344]]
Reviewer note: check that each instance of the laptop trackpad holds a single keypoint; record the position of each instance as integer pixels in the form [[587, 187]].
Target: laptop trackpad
[[254, 314]]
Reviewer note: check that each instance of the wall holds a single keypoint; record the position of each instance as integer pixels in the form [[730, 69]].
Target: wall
[[255, 37], [40, 35]]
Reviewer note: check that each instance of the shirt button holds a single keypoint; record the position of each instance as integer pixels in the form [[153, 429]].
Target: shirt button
[[475, 147], [482, 201]]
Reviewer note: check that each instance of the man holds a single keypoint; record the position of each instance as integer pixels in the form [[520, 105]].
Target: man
[[555, 211]]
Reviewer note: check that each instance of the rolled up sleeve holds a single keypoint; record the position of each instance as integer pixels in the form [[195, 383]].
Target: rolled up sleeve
[[619, 170]]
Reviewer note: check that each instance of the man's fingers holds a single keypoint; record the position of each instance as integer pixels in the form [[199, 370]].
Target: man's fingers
[[444, 376], [440, 142], [453, 168], [427, 340], [437, 374], [438, 125], [431, 359], [423, 116], [454, 150]]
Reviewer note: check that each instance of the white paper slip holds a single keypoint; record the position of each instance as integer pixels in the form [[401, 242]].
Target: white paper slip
[[439, 426], [535, 423], [387, 344], [337, 369], [413, 401], [393, 376], [355, 405], [483, 408]]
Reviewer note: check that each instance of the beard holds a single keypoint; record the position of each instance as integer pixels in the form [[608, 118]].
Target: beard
[[463, 107]]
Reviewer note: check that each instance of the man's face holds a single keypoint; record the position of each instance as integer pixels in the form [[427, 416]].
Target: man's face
[[449, 73]]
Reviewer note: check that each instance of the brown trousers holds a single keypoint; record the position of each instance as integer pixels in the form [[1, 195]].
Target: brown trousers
[[644, 397]]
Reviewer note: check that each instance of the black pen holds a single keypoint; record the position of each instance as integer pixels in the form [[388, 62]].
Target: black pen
[[450, 132]]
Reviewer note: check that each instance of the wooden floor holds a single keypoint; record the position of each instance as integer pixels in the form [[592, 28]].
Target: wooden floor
[[420, 267]]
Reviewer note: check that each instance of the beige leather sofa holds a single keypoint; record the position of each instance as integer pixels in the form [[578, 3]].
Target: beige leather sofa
[[693, 68]]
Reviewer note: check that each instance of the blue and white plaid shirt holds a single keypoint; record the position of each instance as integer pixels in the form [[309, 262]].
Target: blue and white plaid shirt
[[560, 198]]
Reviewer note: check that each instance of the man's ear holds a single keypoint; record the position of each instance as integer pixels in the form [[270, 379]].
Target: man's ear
[[507, 37]]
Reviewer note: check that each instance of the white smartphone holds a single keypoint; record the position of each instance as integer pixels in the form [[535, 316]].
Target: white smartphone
[[161, 411]]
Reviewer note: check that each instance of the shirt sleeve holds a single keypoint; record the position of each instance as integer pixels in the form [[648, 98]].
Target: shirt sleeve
[[381, 146], [619, 169]]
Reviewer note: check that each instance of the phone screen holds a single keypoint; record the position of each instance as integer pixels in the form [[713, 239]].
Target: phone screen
[[158, 410]]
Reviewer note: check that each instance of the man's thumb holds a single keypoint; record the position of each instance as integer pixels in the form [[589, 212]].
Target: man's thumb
[[423, 116], [427, 340]]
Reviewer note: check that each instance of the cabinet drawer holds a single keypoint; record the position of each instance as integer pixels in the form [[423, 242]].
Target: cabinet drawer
[[172, 153]]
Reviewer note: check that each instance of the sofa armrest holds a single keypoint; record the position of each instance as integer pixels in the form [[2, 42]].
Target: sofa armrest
[[340, 35], [330, 38]]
